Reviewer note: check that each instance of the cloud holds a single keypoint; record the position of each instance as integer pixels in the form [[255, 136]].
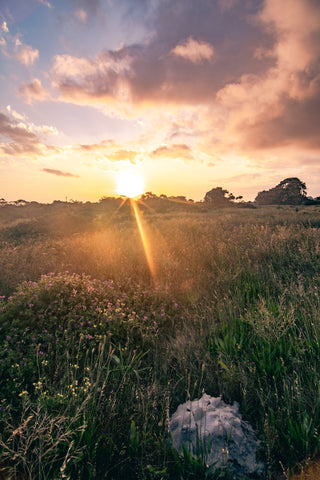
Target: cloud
[[27, 55], [173, 66], [45, 3], [95, 147], [120, 155], [29, 126], [83, 80], [194, 51], [12, 47], [4, 27], [110, 151], [15, 114], [81, 15], [22, 141], [59, 173], [250, 70], [175, 151], [280, 106], [33, 91], [18, 137]]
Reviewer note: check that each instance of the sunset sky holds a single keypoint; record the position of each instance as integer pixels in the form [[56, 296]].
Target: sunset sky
[[191, 94]]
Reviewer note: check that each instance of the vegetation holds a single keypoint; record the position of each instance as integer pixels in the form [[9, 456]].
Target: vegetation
[[96, 356], [218, 197], [290, 191]]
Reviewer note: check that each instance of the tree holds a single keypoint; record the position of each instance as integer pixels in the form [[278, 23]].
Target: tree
[[217, 198], [290, 191]]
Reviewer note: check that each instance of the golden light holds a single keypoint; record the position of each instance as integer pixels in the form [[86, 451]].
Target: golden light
[[130, 183], [144, 239]]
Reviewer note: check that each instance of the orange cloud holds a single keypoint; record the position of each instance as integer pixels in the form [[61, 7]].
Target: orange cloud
[[176, 151], [123, 155], [280, 106]]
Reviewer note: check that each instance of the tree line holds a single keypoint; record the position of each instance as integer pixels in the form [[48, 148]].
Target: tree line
[[290, 191]]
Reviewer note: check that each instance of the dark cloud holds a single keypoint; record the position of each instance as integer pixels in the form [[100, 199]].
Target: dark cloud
[[298, 124], [59, 173], [154, 73], [247, 58], [18, 140]]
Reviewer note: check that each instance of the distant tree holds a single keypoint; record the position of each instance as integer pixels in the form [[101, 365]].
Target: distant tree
[[20, 202], [148, 196], [179, 198], [218, 197], [290, 191]]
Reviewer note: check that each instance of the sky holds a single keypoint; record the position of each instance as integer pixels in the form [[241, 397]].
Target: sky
[[189, 94]]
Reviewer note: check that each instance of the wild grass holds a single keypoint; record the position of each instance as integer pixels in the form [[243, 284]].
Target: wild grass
[[96, 356]]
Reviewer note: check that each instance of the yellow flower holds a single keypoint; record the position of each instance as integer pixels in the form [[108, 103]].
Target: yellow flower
[[23, 393]]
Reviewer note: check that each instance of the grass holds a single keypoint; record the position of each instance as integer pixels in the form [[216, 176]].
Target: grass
[[96, 356]]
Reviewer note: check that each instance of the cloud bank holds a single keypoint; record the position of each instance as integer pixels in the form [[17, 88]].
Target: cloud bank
[[255, 64]]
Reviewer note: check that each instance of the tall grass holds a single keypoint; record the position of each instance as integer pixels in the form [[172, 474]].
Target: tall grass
[[94, 361]]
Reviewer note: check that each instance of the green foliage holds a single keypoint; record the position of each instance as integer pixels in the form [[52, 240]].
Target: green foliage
[[93, 362]]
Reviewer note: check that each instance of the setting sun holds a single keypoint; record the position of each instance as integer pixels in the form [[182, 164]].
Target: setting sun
[[129, 184]]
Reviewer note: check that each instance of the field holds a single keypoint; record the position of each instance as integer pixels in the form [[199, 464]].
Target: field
[[100, 342]]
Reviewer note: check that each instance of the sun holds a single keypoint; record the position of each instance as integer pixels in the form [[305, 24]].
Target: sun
[[130, 183]]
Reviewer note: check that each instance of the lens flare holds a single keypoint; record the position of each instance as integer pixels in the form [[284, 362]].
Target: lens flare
[[143, 239]]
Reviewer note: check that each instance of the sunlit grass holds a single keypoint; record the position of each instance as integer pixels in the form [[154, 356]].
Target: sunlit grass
[[92, 367]]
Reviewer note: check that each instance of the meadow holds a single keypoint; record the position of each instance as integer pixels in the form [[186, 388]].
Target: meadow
[[97, 350]]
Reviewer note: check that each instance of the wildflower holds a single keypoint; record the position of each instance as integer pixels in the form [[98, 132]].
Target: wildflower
[[23, 393]]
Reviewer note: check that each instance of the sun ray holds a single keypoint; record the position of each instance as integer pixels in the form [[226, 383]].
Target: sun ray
[[120, 206], [144, 240]]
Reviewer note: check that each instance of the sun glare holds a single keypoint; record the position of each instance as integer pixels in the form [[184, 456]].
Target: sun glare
[[130, 184]]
